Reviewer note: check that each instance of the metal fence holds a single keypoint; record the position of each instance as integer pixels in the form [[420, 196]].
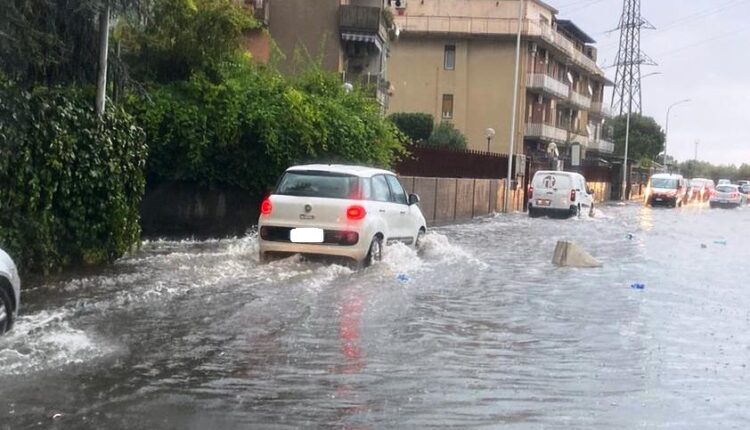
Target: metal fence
[[453, 163]]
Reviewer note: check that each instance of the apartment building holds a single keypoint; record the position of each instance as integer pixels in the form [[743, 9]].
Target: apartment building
[[350, 37], [455, 59]]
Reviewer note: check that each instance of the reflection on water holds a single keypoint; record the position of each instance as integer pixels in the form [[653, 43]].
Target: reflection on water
[[476, 330]]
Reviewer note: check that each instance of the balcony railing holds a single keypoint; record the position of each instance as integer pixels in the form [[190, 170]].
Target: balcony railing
[[603, 146], [601, 109], [545, 131], [547, 84], [373, 84], [362, 19], [580, 100], [494, 27]]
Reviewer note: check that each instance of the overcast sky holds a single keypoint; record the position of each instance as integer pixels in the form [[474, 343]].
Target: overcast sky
[[702, 51]]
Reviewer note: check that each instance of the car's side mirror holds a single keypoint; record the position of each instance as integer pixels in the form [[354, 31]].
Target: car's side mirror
[[589, 190], [413, 199]]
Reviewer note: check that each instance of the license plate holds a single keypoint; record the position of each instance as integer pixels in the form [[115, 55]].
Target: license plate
[[543, 202], [724, 201], [306, 235], [658, 199]]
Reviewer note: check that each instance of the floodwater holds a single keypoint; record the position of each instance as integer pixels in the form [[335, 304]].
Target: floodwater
[[477, 330]]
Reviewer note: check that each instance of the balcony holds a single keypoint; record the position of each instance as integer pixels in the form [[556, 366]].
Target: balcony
[[580, 101], [362, 20], [547, 84], [599, 108], [546, 132], [260, 9], [486, 26], [374, 85], [603, 146]]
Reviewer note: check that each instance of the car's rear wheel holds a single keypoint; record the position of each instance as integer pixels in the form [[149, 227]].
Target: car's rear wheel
[[375, 254], [6, 313], [575, 211], [591, 211]]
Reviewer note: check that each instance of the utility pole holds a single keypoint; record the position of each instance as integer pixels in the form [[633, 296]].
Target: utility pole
[[101, 79], [514, 111]]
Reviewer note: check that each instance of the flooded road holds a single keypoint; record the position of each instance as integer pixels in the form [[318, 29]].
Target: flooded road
[[478, 330]]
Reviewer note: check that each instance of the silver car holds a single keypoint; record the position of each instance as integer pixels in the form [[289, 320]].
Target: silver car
[[10, 292], [727, 196]]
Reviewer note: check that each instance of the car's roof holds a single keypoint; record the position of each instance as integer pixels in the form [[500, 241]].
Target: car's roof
[[667, 176], [362, 171], [556, 172]]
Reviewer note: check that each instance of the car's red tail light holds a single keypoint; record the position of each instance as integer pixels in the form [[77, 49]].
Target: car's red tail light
[[531, 192], [572, 195], [355, 213], [735, 195], [266, 207]]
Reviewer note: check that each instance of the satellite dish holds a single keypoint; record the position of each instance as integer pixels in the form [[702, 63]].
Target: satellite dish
[[489, 133]]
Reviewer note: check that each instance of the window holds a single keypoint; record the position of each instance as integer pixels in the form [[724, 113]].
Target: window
[[398, 193], [380, 190], [447, 106], [318, 184], [449, 58]]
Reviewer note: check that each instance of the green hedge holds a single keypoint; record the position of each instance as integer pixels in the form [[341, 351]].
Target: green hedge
[[418, 126], [70, 183], [246, 129]]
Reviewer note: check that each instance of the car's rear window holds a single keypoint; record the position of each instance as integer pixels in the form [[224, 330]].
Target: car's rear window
[[319, 184], [551, 181], [725, 189], [664, 183]]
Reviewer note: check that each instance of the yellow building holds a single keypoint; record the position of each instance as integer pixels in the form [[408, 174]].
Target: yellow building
[[455, 60]]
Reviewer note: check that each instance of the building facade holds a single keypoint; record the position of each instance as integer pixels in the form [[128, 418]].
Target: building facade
[[350, 37], [455, 59]]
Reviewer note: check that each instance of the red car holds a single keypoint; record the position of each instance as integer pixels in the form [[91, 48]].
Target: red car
[[702, 189]]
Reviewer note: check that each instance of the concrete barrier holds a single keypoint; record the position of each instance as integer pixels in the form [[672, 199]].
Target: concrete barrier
[[481, 197], [445, 202], [425, 188], [464, 198]]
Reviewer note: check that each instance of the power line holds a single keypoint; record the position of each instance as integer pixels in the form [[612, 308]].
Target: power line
[[704, 41], [688, 18]]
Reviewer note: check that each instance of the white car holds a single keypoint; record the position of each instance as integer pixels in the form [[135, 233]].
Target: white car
[[725, 182], [559, 193], [10, 292], [338, 211], [667, 189], [727, 196]]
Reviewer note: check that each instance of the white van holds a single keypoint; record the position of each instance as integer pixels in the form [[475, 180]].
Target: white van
[[559, 193]]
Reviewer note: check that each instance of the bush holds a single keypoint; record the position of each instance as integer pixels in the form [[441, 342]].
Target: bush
[[417, 126], [70, 183], [445, 135], [245, 130]]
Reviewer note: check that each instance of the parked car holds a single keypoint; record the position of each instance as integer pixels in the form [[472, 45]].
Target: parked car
[[667, 189], [559, 193], [727, 196], [10, 292], [742, 183], [745, 189], [701, 189], [338, 211], [725, 182]]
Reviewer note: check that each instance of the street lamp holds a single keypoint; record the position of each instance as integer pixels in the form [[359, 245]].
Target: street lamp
[[489, 134], [627, 140], [515, 108], [666, 132]]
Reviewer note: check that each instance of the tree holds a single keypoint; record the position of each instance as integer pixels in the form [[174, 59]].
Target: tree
[[446, 135], [183, 37], [646, 137], [417, 126]]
